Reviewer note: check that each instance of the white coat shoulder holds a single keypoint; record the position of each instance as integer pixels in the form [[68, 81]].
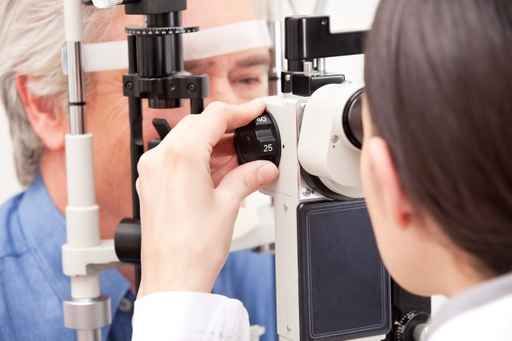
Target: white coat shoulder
[[489, 322]]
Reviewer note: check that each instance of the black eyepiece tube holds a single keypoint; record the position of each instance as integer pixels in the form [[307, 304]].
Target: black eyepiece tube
[[159, 20], [177, 43]]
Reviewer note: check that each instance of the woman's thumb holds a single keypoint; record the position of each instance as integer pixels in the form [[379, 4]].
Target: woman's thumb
[[248, 178]]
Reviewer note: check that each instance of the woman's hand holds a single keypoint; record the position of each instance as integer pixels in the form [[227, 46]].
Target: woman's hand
[[187, 219]]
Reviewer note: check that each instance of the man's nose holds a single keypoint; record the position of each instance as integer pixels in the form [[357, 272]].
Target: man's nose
[[222, 90]]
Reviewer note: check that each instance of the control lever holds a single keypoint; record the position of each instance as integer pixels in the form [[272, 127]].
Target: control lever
[[163, 128]]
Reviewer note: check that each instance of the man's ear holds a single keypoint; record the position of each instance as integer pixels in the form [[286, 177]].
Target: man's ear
[[386, 182], [43, 114]]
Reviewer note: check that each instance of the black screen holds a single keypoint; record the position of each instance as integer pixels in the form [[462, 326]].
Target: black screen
[[345, 290]]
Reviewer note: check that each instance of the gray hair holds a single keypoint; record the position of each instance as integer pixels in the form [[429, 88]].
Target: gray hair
[[32, 35]]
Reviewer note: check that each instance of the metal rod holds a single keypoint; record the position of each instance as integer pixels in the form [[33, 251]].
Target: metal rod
[[276, 25], [75, 88], [82, 212], [322, 65], [76, 119], [88, 335], [137, 148], [308, 68], [196, 106], [136, 138], [135, 112]]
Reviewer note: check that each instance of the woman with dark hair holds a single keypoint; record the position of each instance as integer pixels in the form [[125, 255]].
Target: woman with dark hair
[[436, 166], [437, 162]]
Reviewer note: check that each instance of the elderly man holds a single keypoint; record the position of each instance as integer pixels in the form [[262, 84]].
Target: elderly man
[[32, 227]]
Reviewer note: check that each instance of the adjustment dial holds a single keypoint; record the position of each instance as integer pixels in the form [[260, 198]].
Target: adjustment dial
[[406, 328], [259, 140]]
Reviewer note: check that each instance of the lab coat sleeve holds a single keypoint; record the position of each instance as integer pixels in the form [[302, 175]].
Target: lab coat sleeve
[[186, 316]]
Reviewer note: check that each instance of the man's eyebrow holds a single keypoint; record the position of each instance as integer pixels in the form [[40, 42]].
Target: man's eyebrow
[[198, 64], [246, 62], [255, 60]]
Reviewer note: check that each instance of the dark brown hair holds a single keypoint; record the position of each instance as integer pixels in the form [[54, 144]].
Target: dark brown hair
[[439, 86]]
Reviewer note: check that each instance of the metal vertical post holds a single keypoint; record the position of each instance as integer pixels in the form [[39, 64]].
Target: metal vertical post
[[87, 311]]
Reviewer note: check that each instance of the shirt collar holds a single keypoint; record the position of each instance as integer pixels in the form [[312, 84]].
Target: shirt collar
[[44, 228], [472, 298]]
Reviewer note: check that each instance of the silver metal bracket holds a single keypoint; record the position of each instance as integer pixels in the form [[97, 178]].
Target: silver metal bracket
[[87, 314]]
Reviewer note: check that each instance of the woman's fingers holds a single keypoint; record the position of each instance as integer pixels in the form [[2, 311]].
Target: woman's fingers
[[206, 130], [225, 147], [220, 168]]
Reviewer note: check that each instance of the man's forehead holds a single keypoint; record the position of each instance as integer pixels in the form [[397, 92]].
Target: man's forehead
[[227, 39], [245, 59], [208, 14]]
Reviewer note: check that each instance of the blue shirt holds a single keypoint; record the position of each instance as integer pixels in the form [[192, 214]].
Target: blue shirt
[[33, 287]]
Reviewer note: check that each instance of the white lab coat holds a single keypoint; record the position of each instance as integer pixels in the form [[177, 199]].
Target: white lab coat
[[185, 316], [491, 322], [483, 313]]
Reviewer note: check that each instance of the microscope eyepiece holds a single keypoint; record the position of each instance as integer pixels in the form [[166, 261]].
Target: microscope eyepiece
[[352, 119]]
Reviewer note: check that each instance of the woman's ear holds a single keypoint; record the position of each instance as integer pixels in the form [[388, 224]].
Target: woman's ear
[[43, 114], [383, 183]]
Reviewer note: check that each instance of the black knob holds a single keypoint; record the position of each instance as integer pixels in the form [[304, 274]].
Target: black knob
[[259, 140], [405, 329], [128, 240]]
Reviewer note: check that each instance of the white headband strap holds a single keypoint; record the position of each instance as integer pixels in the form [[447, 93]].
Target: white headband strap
[[199, 45], [226, 39]]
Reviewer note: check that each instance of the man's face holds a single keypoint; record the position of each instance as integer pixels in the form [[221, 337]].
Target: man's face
[[233, 78]]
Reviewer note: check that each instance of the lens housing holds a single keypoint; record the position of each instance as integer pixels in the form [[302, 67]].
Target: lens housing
[[352, 119]]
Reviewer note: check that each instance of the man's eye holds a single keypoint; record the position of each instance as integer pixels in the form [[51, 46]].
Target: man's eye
[[249, 81]]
